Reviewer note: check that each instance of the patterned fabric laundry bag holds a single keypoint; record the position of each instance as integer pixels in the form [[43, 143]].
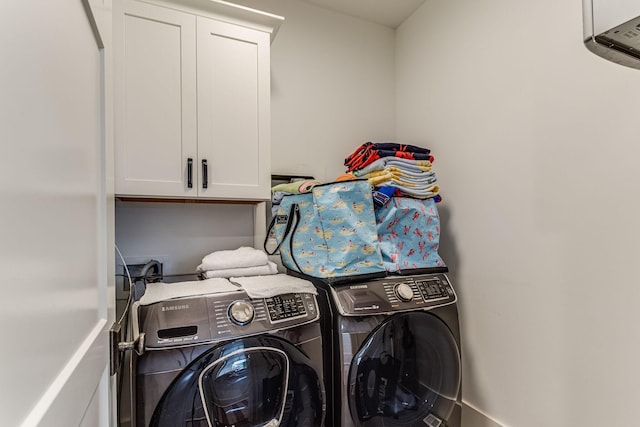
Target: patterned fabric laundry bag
[[409, 233], [329, 232]]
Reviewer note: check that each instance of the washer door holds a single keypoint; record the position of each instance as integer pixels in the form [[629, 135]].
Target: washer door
[[251, 382], [406, 373]]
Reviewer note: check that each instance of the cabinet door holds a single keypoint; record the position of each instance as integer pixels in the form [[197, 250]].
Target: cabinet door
[[233, 110], [155, 100]]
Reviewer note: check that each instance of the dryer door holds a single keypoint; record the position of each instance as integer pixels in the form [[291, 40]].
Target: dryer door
[[406, 373], [250, 382]]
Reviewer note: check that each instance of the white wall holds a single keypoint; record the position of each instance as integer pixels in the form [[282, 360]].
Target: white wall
[[332, 87], [178, 234], [536, 145]]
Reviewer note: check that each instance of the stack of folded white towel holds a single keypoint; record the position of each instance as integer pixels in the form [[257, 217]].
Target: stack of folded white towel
[[241, 262]]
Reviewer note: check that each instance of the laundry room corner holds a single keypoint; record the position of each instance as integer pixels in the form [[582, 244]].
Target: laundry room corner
[[536, 139]]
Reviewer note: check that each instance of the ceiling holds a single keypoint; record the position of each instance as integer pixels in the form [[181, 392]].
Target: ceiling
[[390, 13]]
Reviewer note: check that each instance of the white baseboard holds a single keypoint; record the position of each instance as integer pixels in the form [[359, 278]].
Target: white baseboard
[[471, 417]]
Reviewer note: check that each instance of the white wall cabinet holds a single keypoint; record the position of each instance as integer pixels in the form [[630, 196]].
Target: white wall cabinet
[[192, 100]]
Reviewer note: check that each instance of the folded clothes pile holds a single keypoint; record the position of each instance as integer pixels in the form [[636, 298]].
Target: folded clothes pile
[[394, 170], [369, 152], [241, 262], [296, 187]]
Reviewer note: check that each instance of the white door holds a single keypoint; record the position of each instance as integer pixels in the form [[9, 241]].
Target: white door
[[233, 111], [54, 217], [155, 81]]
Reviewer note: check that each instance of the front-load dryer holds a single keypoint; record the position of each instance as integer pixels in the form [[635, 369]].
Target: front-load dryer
[[396, 352], [228, 360]]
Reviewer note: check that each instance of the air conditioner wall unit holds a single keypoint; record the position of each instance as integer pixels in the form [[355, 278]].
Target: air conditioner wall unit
[[612, 30]]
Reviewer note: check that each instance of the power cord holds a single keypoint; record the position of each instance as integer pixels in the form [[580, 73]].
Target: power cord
[[131, 286], [115, 337], [116, 341]]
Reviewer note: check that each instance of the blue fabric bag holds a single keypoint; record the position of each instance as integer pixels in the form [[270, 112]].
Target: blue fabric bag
[[409, 234], [329, 232]]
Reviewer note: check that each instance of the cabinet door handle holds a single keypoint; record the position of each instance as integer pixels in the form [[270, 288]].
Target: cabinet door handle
[[189, 172], [205, 174]]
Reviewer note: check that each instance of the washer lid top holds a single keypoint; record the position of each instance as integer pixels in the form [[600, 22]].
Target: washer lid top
[[406, 373], [394, 294]]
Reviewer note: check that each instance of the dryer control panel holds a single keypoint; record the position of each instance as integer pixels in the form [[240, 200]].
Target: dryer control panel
[[391, 294], [209, 318]]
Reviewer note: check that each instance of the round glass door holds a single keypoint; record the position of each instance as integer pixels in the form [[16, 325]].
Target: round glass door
[[252, 382], [406, 373]]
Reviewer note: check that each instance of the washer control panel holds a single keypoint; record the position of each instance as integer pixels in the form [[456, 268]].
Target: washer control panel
[[241, 312], [391, 294], [403, 291], [285, 307], [209, 318], [420, 289]]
